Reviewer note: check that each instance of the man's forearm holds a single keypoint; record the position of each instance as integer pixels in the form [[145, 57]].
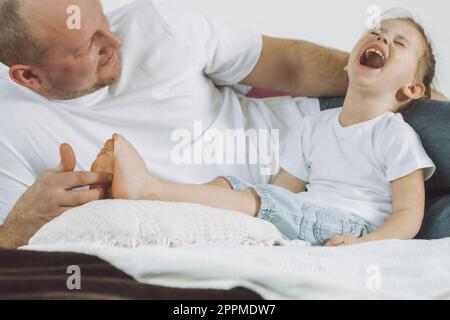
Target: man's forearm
[[300, 68], [319, 70], [6, 240], [15, 233]]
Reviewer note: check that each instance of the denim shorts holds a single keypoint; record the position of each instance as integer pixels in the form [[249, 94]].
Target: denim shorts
[[301, 220]]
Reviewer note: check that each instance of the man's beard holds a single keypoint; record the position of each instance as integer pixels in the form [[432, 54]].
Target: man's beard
[[59, 92]]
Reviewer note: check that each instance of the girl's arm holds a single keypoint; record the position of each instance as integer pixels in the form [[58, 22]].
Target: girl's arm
[[408, 204], [287, 181]]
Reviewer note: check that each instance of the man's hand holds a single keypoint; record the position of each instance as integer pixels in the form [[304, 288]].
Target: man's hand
[[344, 240], [50, 196]]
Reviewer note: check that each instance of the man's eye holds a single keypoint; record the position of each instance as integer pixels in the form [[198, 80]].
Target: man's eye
[[85, 51], [90, 45]]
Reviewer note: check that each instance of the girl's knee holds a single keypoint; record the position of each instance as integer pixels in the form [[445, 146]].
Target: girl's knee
[[255, 204], [221, 183]]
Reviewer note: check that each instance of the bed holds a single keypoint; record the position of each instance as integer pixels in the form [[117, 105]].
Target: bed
[[26, 275], [188, 246], [416, 269]]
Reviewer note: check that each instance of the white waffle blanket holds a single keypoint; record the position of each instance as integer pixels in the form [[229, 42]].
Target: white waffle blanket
[[378, 270], [133, 224]]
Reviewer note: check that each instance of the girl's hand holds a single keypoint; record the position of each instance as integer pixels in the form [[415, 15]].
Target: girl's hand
[[344, 240]]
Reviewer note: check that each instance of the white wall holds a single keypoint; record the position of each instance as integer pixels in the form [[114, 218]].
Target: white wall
[[336, 23]]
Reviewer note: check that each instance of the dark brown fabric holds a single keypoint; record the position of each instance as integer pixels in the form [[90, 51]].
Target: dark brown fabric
[[41, 275]]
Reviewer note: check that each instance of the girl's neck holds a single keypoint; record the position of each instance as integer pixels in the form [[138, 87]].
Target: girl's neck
[[360, 107]]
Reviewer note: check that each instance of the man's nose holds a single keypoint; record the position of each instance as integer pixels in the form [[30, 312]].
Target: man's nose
[[111, 43], [110, 40], [114, 40]]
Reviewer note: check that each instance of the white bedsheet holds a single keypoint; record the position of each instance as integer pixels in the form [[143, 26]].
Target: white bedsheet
[[379, 270]]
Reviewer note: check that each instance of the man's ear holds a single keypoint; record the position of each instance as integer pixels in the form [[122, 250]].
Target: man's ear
[[414, 91], [25, 76]]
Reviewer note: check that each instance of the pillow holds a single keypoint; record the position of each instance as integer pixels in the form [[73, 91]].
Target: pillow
[[139, 223], [436, 224], [431, 120]]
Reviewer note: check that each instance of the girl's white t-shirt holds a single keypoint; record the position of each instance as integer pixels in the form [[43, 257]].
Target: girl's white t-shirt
[[351, 168]]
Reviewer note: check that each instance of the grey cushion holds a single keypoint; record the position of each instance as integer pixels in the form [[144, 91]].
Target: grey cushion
[[436, 224], [431, 120]]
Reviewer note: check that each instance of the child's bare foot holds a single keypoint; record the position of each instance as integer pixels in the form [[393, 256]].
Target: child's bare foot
[[105, 163], [132, 180]]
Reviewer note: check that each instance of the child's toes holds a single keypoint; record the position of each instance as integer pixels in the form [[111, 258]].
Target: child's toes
[[109, 145], [103, 163], [102, 152]]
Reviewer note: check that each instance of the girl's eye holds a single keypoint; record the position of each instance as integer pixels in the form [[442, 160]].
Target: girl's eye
[[374, 33], [399, 43]]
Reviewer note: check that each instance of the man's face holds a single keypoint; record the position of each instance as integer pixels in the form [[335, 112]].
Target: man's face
[[79, 61], [386, 59]]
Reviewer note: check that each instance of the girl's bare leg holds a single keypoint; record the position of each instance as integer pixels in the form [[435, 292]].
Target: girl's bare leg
[[221, 183], [133, 181]]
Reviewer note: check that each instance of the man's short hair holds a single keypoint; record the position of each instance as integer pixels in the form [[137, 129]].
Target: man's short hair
[[17, 43]]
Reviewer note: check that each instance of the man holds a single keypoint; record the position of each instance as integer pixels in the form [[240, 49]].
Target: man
[[158, 68]]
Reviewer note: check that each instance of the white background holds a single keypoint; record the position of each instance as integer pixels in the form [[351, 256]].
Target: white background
[[335, 23]]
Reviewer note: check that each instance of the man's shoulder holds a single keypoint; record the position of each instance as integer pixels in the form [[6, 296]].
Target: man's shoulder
[[9, 92], [12, 92], [171, 16], [19, 108], [141, 12], [130, 8]]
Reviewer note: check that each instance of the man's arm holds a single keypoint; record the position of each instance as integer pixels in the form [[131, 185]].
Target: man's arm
[[50, 195], [6, 240], [300, 68]]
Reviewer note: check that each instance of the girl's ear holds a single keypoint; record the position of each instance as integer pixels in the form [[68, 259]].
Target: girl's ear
[[414, 91]]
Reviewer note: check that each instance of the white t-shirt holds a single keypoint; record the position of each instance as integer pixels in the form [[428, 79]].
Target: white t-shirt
[[351, 168], [176, 64]]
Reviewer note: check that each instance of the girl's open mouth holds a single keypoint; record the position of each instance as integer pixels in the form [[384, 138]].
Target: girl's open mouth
[[374, 57]]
